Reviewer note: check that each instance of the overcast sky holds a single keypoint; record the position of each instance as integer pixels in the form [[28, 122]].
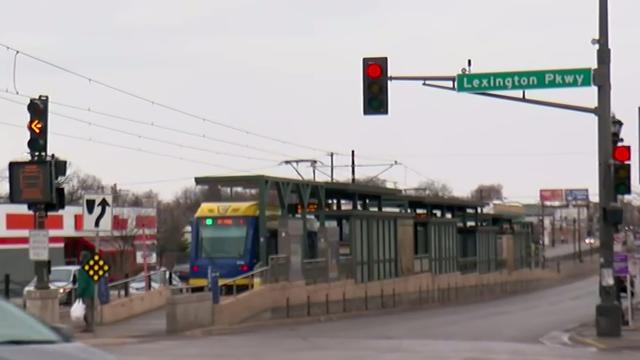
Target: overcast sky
[[291, 70]]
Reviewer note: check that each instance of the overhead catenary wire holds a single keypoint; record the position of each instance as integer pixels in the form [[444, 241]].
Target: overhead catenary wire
[[163, 105], [158, 126], [149, 138], [137, 149]]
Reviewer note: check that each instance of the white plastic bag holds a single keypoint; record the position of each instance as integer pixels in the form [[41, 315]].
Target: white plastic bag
[[77, 311]]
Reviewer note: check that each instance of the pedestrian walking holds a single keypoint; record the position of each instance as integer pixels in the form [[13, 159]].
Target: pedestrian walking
[[86, 293]]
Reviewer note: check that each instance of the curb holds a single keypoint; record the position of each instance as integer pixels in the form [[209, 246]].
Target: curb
[[109, 341], [574, 338]]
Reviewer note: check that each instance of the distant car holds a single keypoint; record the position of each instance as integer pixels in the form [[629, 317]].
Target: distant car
[[137, 285], [182, 271], [590, 241], [63, 278], [23, 337]]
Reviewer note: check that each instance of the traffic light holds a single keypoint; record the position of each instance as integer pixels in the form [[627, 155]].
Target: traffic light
[[375, 95], [59, 172], [38, 126], [622, 169], [622, 179]]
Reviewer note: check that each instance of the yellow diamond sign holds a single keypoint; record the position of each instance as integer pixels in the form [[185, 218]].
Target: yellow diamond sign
[[95, 267]]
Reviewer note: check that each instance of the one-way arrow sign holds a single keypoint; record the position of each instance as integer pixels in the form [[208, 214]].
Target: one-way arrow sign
[[97, 212]]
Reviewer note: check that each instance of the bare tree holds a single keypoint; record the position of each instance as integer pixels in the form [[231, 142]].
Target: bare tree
[[175, 215], [78, 184], [432, 188], [487, 193], [372, 181]]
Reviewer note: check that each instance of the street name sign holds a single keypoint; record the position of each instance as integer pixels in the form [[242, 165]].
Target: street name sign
[[523, 80], [38, 245], [97, 212]]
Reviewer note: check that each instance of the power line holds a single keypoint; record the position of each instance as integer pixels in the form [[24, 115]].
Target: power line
[[89, 123], [161, 105], [152, 124], [151, 182], [416, 172], [137, 149]]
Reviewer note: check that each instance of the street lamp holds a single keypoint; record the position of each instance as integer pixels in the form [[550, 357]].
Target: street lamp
[[616, 130]]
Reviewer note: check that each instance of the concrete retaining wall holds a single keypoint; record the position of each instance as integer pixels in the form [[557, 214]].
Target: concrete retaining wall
[[189, 311], [288, 300], [44, 305], [296, 299], [125, 308]]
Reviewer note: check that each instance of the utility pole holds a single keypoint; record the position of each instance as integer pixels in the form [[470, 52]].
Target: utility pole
[[608, 311], [574, 236], [331, 154], [353, 166], [41, 267], [579, 236]]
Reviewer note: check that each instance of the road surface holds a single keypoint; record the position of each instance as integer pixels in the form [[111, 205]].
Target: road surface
[[510, 328]]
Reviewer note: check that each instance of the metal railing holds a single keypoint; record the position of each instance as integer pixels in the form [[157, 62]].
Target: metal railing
[[421, 263], [223, 285], [278, 268], [122, 288], [345, 267], [315, 270], [10, 288], [251, 276], [588, 252], [468, 265]]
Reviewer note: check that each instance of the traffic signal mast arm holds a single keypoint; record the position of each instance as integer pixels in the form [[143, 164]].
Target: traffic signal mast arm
[[522, 99]]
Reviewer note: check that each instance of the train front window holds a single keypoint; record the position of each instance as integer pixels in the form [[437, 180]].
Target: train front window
[[220, 237]]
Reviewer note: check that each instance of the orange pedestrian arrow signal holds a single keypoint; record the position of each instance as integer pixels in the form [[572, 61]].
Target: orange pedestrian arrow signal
[[35, 126]]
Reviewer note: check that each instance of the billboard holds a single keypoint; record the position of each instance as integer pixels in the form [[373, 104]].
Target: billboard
[[577, 196], [551, 196]]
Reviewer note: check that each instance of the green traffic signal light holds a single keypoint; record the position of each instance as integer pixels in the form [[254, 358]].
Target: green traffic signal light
[[622, 179]]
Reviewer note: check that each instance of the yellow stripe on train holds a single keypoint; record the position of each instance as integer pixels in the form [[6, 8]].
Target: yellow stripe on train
[[205, 282], [247, 208]]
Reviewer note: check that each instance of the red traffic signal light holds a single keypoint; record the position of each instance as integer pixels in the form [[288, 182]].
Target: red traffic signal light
[[374, 71], [375, 97], [622, 153]]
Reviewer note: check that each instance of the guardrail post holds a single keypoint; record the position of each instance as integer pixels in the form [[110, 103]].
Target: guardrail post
[[344, 302], [126, 286], [7, 286], [420, 294], [170, 278], [394, 297], [287, 308], [326, 302], [308, 305], [558, 266], [148, 283], [366, 300]]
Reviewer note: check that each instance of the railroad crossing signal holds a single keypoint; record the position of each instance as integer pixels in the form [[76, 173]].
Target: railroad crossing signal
[[622, 169], [375, 94], [95, 267], [38, 126]]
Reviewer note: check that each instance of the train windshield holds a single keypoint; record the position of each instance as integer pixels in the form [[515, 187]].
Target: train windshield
[[222, 237]]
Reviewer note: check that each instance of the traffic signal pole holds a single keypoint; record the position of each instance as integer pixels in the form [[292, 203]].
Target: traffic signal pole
[[608, 311], [41, 268]]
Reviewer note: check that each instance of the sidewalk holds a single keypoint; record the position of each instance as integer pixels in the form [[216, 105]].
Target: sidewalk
[[137, 329], [586, 335], [563, 249]]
